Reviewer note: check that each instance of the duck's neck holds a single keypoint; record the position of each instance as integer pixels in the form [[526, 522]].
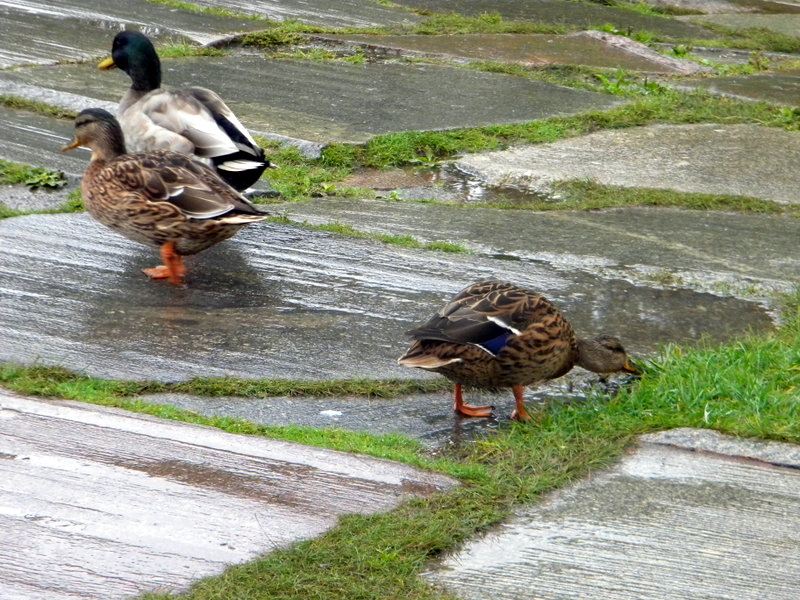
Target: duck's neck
[[595, 357], [107, 147], [131, 97], [145, 73]]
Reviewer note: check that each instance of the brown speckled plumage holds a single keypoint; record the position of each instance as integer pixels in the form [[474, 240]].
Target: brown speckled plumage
[[160, 198], [494, 334]]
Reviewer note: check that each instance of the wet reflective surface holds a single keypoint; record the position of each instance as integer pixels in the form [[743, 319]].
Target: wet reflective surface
[[347, 102], [286, 302], [739, 254], [43, 32], [584, 48]]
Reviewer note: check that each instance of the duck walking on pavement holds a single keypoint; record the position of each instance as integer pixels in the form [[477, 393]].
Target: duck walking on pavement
[[159, 198], [494, 334]]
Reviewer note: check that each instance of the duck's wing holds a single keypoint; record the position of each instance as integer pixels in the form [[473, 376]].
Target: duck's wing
[[486, 314], [174, 178]]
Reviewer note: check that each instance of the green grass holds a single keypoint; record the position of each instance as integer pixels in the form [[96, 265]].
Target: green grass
[[345, 229], [185, 49], [755, 39], [211, 10], [34, 106], [589, 195], [658, 106], [749, 387], [59, 382], [453, 23], [12, 173]]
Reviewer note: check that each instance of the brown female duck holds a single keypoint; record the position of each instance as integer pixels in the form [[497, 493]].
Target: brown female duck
[[193, 120], [160, 198], [494, 334]]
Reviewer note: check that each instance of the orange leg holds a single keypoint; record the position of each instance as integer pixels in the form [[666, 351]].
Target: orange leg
[[172, 268], [520, 414], [466, 409]]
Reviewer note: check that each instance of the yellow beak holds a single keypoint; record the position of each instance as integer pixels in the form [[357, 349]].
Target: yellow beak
[[632, 367], [72, 146], [107, 64]]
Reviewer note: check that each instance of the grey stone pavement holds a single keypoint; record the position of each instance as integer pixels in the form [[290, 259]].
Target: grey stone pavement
[[684, 514], [187, 500], [687, 514]]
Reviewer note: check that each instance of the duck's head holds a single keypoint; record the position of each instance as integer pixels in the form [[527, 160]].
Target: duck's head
[[605, 354], [134, 53], [98, 130]]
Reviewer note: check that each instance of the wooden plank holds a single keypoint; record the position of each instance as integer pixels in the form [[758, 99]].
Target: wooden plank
[[101, 503]]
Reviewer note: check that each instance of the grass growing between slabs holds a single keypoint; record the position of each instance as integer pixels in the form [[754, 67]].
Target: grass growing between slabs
[[748, 387]]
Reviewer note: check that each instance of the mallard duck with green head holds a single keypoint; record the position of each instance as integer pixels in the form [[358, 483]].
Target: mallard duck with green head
[[161, 198], [193, 120], [494, 334]]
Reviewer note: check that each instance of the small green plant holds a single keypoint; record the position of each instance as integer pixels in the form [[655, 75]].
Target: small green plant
[[184, 49], [681, 50], [358, 57], [37, 107], [758, 61], [34, 177], [271, 38], [621, 85]]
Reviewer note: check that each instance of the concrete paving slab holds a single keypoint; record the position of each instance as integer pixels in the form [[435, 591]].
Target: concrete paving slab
[[327, 13], [785, 24], [326, 101], [778, 87], [727, 253], [104, 504], [584, 15], [286, 302], [21, 197], [746, 160], [666, 522], [37, 140], [590, 48], [427, 417], [730, 6], [43, 32]]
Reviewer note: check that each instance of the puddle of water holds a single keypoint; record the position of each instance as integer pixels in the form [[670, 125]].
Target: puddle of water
[[442, 183]]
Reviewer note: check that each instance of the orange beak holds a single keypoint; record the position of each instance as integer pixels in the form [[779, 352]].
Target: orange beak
[[71, 146]]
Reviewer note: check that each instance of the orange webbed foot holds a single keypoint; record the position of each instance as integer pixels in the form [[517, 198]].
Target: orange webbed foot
[[467, 409], [474, 411], [520, 414], [159, 272], [172, 268]]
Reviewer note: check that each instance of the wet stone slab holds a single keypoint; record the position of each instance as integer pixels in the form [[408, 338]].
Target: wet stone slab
[[327, 13], [43, 32], [788, 24], [326, 101], [693, 516], [591, 48], [780, 87], [79, 484], [584, 15], [728, 253], [286, 302], [37, 140], [743, 160], [731, 6]]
